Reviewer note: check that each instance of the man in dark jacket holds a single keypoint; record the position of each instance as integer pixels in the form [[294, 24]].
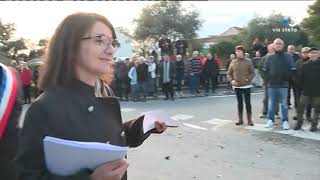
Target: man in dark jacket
[[167, 75], [292, 85], [122, 79], [278, 70], [179, 74], [9, 124], [181, 46], [299, 64], [142, 76], [309, 80], [165, 45], [211, 72]]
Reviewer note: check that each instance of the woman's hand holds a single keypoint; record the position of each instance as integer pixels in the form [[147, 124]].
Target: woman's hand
[[110, 171], [160, 127], [234, 83]]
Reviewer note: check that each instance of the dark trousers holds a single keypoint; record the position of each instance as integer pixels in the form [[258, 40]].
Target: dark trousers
[[168, 89], [179, 84], [246, 95], [213, 80], [308, 106], [142, 89], [294, 88], [26, 92], [315, 102]]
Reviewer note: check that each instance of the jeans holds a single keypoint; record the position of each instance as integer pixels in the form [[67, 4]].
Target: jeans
[[265, 101], [142, 88], [278, 95], [243, 93], [194, 83], [134, 92]]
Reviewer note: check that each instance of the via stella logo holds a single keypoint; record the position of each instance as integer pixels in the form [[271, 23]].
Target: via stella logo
[[286, 23]]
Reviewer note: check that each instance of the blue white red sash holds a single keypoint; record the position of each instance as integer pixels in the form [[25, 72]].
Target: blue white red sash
[[8, 94]]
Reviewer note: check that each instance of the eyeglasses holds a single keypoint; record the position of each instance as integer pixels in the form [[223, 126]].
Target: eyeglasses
[[104, 41]]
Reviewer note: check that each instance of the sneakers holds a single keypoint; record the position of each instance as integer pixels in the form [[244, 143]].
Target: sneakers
[[269, 124], [285, 125]]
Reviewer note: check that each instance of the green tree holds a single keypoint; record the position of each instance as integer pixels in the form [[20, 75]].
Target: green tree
[[39, 50], [167, 17], [223, 49], [311, 24], [6, 32], [14, 48]]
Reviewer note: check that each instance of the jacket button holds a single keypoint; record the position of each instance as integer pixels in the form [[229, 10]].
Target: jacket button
[[123, 134], [90, 108]]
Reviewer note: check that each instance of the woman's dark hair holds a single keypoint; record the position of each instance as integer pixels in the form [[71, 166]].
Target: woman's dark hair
[[64, 46], [241, 48]]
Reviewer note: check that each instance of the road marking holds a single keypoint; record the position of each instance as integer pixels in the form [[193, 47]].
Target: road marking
[[127, 109], [194, 126], [218, 123], [182, 117], [259, 127], [224, 96]]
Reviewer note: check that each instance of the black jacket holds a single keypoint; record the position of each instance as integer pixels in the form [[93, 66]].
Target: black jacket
[[310, 75], [142, 72], [211, 68], [172, 71], [278, 69], [64, 113], [179, 70]]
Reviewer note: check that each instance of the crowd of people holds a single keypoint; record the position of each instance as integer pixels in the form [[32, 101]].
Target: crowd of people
[[280, 73], [139, 77]]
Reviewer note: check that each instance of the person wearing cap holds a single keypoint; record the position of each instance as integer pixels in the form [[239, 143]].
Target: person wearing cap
[[278, 70], [240, 74], [299, 64], [309, 80]]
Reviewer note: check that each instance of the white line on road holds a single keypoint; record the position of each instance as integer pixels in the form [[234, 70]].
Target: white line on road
[[224, 96], [182, 117], [218, 123], [194, 126]]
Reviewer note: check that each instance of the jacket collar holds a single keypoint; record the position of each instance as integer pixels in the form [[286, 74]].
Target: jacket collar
[[82, 88]]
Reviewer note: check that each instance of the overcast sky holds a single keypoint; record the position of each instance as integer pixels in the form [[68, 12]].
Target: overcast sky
[[36, 20]]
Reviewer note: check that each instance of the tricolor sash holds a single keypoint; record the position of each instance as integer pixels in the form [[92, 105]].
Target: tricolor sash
[[8, 94]]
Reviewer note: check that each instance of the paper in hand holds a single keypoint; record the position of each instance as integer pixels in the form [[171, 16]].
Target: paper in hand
[[152, 116], [65, 157]]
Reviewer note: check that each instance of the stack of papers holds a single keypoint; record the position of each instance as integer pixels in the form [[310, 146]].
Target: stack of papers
[[64, 157], [152, 116]]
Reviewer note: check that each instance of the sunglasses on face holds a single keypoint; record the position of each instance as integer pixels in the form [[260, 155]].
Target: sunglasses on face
[[103, 41]]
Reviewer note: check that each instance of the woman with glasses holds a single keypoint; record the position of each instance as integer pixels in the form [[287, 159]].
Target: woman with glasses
[[76, 104]]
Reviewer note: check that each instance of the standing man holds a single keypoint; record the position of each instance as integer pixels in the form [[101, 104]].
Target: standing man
[[142, 77], [278, 69], [167, 75], [255, 61], [291, 50], [195, 72], [265, 84], [165, 45], [26, 77], [211, 72], [309, 80]]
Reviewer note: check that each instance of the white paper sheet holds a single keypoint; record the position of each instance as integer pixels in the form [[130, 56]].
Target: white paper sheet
[[64, 157], [152, 116]]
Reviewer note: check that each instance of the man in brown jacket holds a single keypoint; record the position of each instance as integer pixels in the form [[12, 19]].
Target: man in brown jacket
[[240, 74]]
